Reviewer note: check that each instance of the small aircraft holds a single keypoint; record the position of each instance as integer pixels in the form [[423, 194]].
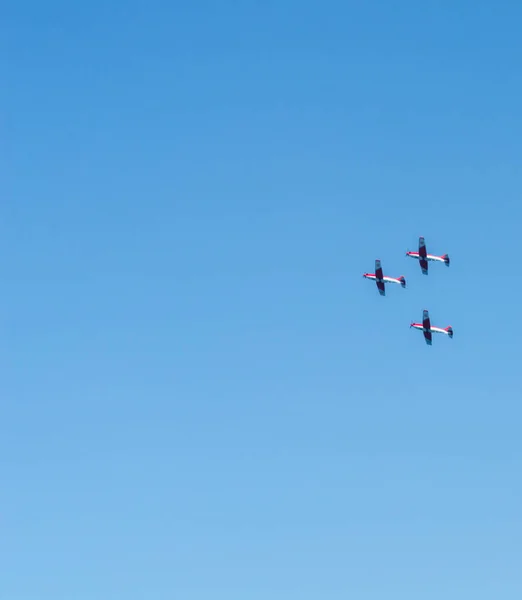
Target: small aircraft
[[380, 279], [423, 257], [427, 328]]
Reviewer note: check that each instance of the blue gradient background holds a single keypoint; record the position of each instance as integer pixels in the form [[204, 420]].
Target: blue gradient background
[[201, 396]]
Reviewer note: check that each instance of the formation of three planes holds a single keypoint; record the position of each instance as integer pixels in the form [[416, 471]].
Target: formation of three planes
[[423, 257]]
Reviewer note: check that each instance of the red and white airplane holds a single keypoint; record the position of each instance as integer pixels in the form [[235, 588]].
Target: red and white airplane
[[423, 257], [380, 279], [427, 328]]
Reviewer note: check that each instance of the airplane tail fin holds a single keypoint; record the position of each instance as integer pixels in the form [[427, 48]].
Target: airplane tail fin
[[446, 260], [449, 329], [402, 280]]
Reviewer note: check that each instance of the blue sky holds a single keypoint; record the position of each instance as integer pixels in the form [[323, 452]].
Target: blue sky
[[201, 395]]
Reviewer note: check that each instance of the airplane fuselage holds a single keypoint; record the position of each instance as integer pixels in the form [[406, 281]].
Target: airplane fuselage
[[430, 257], [432, 328], [385, 278]]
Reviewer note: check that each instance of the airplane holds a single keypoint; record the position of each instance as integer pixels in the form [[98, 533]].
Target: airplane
[[427, 328], [423, 257], [380, 279]]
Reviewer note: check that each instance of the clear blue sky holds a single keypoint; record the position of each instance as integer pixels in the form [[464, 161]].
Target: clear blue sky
[[201, 396]]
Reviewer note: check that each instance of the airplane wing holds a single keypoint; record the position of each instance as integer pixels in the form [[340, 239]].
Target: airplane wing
[[426, 326], [378, 269], [422, 247], [379, 277], [422, 256]]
